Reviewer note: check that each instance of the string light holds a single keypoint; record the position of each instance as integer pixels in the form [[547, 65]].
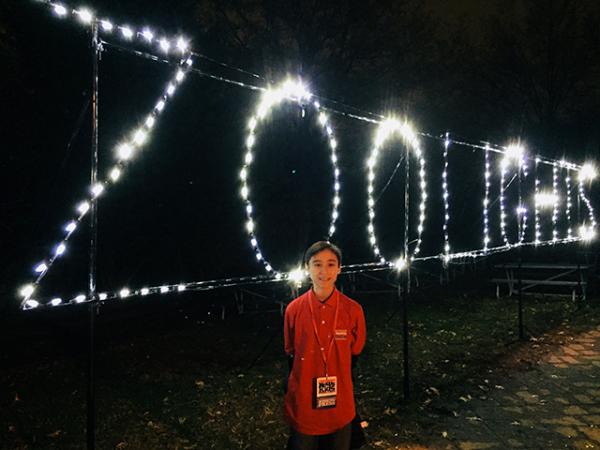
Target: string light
[[504, 163], [445, 196], [555, 202], [587, 233], [130, 146], [587, 172], [588, 204], [146, 36], [512, 152], [387, 129], [124, 152], [486, 200], [569, 204], [297, 92]]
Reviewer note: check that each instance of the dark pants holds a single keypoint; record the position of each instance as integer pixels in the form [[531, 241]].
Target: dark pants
[[338, 440]]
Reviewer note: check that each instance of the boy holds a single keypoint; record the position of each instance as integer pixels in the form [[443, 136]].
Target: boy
[[323, 330]]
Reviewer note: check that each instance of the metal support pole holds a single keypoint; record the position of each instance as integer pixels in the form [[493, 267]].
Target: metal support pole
[[405, 337], [520, 289], [406, 277], [93, 305]]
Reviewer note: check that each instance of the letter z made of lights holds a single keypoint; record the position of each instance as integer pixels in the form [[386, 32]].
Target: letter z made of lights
[[385, 131], [271, 98]]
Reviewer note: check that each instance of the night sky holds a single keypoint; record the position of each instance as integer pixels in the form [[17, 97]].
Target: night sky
[[484, 71]]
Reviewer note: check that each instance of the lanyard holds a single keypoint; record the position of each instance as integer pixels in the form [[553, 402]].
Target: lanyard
[[331, 341]]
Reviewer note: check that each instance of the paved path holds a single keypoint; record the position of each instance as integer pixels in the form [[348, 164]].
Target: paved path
[[554, 405]]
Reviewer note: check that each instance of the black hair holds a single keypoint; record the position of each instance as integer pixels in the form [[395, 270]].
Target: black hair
[[319, 247]]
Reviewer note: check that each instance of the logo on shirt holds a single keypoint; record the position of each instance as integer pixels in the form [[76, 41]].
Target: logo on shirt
[[341, 334]]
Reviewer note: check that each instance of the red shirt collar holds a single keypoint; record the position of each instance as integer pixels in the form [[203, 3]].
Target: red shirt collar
[[330, 301]]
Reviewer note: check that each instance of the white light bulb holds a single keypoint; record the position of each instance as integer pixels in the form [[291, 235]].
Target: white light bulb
[[71, 227], [125, 151], [250, 141], [56, 301], [85, 15], [160, 105], [296, 275], [164, 45], [103, 296], [83, 207], [126, 32], [148, 35], [60, 10], [150, 122], [545, 199], [182, 45], [97, 189], [27, 290], [30, 304], [171, 89], [587, 233], [250, 226], [144, 291], [123, 293], [180, 75], [140, 137], [400, 264], [244, 192], [181, 288], [80, 298], [587, 172], [106, 25], [40, 268], [115, 173], [60, 249], [164, 289]]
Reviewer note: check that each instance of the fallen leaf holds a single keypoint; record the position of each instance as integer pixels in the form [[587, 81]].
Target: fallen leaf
[[434, 390], [474, 418]]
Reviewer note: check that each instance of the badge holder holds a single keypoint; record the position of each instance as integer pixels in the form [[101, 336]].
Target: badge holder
[[324, 392]]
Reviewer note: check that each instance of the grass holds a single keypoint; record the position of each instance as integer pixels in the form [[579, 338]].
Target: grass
[[182, 379]]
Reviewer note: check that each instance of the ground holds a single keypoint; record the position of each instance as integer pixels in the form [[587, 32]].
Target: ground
[[182, 378]]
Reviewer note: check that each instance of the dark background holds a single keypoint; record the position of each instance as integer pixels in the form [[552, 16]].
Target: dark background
[[524, 70]]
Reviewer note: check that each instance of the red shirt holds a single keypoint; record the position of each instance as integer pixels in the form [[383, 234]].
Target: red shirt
[[348, 339]]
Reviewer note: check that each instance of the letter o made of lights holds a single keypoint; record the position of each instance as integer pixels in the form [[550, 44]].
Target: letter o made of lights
[[295, 92], [384, 132]]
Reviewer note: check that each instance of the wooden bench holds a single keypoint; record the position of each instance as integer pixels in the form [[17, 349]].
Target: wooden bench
[[540, 274]]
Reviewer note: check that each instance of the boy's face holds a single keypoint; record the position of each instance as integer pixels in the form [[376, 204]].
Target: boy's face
[[323, 269]]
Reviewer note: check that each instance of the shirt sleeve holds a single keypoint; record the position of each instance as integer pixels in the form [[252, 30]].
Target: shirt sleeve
[[359, 331], [288, 332]]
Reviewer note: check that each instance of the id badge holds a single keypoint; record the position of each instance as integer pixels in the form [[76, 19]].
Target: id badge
[[324, 392]]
